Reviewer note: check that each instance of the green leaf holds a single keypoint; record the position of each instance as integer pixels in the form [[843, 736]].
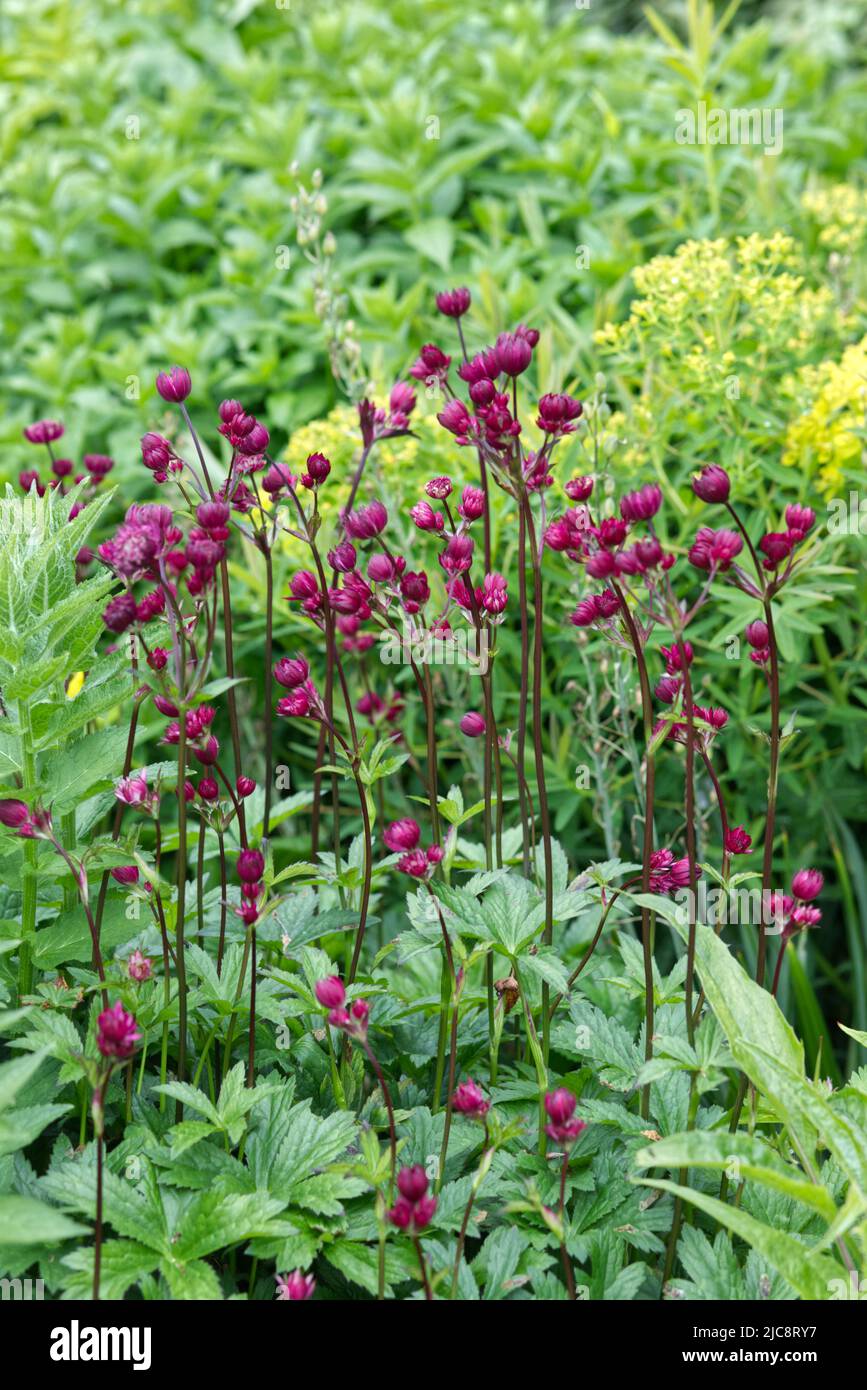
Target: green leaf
[[24, 1221]]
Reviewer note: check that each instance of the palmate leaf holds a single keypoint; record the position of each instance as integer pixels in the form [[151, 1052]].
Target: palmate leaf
[[25, 1221], [123, 1264], [288, 1143]]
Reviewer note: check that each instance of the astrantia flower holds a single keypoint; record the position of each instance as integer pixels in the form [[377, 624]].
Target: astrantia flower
[[469, 1100], [737, 841], [43, 431], [415, 864], [455, 418], [453, 303], [402, 835], [431, 364], [557, 413], [251, 865], [139, 967], [14, 814], [291, 671], [563, 1126], [472, 724], [513, 352], [807, 884], [134, 791], [119, 613], [458, 554], [495, 594], [174, 385], [425, 518], [472, 503], [800, 518], [715, 550], [776, 546], [117, 1033], [712, 484], [579, 489], [245, 786], [366, 522], [641, 505], [294, 1288], [125, 873], [757, 634], [439, 488], [414, 1209], [330, 992]]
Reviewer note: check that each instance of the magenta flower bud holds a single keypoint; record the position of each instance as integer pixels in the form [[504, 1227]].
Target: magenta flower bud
[[367, 522], [412, 1183], [514, 353], [600, 565], [255, 441], [431, 362], [294, 1288], [757, 634], [291, 671], [120, 613], [586, 612], [438, 488], [715, 550], [455, 418], [416, 864], [330, 992], [402, 399], [250, 866], [343, 557], [641, 505], [98, 465], [435, 854], [208, 754], [458, 555], [674, 656], [359, 1012], [472, 724], [294, 706], [166, 707], [469, 1100], [14, 814], [800, 518], [776, 546], [400, 1215], [807, 884], [30, 478], [127, 873], [560, 1105], [43, 432], [453, 303], [212, 515], [472, 504], [174, 385], [737, 841], [245, 786], [667, 689], [61, 468], [402, 835], [139, 967], [425, 518], [482, 392], [117, 1033], [189, 791], [712, 484], [318, 468], [209, 789], [303, 584], [380, 569], [557, 413], [579, 489], [495, 594]]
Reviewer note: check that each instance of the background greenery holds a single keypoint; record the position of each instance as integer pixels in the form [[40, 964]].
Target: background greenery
[[145, 218]]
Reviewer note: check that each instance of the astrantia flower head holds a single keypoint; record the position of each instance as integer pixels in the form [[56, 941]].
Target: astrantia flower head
[[439, 488], [800, 518], [472, 503], [117, 1033], [43, 432], [472, 724], [563, 1126], [251, 865], [579, 489], [469, 1100], [715, 550], [174, 385], [513, 352], [558, 413], [737, 841], [295, 1288], [807, 884], [757, 634], [139, 967], [414, 1209], [453, 303], [641, 505], [402, 835], [291, 671], [431, 364], [712, 484], [366, 522], [330, 992], [126, 874], [13, 814]]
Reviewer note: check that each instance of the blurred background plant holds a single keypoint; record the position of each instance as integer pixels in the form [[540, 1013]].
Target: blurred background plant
[[272, 194]]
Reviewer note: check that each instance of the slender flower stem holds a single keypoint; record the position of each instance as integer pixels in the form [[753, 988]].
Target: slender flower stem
[[386, 1096], [29, 881], [269, 687], [97, 1234], [690, 835], [520, 759], [564, 1253], [541, 788], [224, 888], [428, 1292], [483, 1169], [180, 961], [647, 849]]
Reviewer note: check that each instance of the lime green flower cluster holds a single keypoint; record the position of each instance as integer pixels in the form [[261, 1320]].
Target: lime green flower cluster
[[717, 310], [829, 437], [841, 214]]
